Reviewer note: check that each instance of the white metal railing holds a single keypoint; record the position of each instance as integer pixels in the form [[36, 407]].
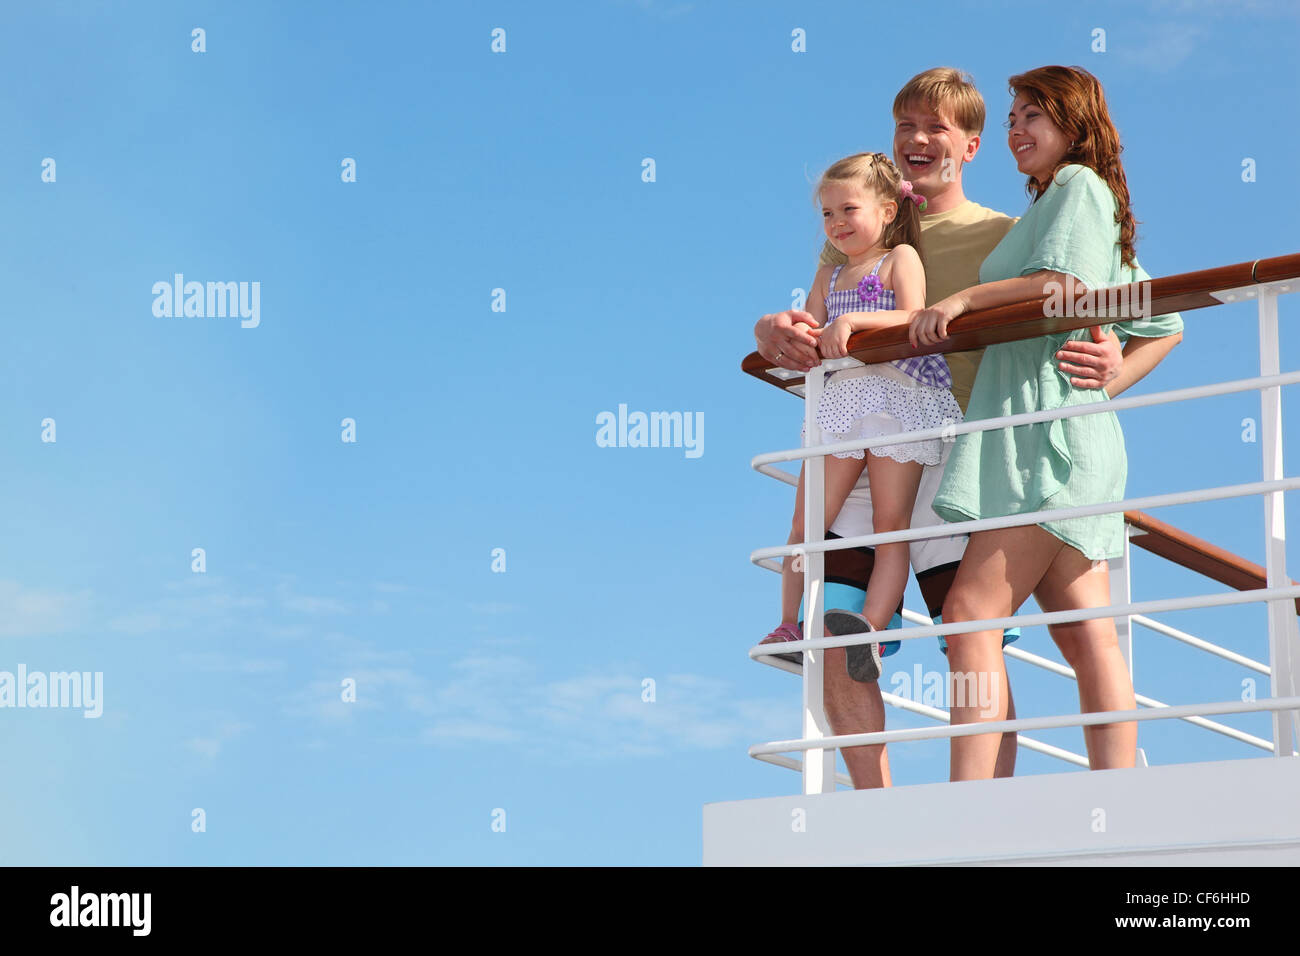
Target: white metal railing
[[1271, 705], [1196, 642], [924, 710], [1145, 701], [1024, 418], [818, 745]]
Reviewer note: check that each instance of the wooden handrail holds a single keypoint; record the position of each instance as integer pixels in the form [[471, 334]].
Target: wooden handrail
[[1196, 554], [1025, 320]]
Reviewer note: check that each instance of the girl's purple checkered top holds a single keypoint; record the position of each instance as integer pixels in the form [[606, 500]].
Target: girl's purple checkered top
[[929, 370]]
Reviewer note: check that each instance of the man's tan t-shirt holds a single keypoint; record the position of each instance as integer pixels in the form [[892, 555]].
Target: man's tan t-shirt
[[954, 243]]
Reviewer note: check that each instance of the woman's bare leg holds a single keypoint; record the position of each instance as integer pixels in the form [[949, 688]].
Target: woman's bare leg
[[934, 589], [1092, 648], [999, 570], [1005, 766]]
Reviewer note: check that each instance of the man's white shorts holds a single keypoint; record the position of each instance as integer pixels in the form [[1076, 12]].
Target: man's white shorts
[[927, 554]]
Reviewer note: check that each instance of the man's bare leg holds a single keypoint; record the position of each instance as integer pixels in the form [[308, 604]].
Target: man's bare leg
[[854, 708]]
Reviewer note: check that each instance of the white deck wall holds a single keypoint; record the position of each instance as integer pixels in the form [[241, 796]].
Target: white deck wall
[[1239, 812]]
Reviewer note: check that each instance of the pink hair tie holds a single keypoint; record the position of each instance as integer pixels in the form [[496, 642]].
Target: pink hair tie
[[907, 192]]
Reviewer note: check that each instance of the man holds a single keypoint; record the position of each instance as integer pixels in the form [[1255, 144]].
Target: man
[[938, 122]]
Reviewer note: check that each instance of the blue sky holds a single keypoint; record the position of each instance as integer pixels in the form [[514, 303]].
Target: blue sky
[[372, 561]]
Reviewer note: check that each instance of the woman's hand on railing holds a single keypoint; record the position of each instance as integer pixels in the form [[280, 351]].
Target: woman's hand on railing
[[930, 326], [785, 340], [1092, 364]]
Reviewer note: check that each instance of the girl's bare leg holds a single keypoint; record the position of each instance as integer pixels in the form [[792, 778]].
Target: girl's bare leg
[[1073, 582], [841, 475], [999, 570], [792, 580], [893, 493]]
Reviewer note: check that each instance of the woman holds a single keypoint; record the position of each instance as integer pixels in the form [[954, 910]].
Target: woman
[[1078, 225]]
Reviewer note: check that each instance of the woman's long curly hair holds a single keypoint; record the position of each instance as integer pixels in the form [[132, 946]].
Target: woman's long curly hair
[[1073, 99]]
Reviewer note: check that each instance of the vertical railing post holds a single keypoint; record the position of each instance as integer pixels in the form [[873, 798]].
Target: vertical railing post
[[1283, 641], [1121, 592], [818, 765]]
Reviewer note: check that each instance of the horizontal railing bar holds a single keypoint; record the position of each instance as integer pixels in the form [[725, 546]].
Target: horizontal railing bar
[[1031, 620], [779, 474], [1031, 418], [1197, 642], [1034, 660], [950, 528], [1045, 664], [1047, 750], [902, 703], [1213, 725], [934, 713], [1067, 672], [1196, 554], [794, 763], [788, 666], [1028, 723]]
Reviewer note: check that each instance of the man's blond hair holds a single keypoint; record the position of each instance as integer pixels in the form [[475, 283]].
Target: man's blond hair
[[947, 91], [944, 90]]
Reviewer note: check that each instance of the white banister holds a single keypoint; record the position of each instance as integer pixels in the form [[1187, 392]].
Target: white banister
[[1279, 594], [1283, 641], [818, 770]]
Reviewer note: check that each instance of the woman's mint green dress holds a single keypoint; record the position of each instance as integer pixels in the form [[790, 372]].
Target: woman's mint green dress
[[1071, 229]]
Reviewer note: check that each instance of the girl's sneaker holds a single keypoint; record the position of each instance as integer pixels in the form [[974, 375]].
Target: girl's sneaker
[[863, 659], [786, 632]]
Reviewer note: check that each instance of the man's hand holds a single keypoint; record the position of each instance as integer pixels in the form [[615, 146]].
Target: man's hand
[[784, 340], [1092, 364]]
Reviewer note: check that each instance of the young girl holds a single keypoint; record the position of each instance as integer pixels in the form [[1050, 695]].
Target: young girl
[[871, 215]]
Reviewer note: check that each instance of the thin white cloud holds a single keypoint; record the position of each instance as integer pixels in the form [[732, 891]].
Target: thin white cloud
[[31, 612], [493, 608], [468, 731], [196, 602], [501, 699], [142, 622], [1232, 8], [372, 689], [210, 747], [307, 604], [1159, 47], [214, 663]]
